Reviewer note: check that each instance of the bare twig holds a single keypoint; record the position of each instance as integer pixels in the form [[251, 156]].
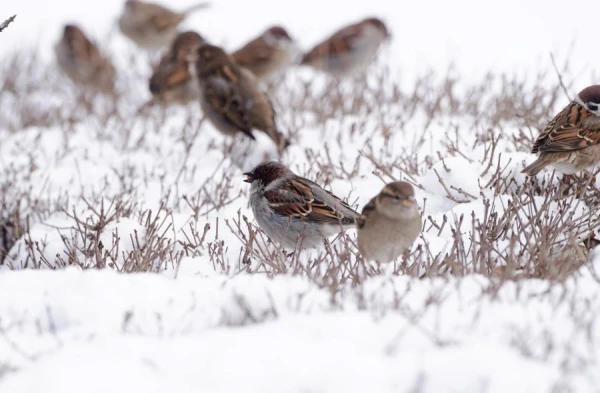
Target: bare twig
[[7, 22]]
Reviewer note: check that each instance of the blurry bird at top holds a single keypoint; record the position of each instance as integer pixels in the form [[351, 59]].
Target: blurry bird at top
[[173, 80], [81, 60], [269, 54], [152, 26], [231, 99], [349, 50]]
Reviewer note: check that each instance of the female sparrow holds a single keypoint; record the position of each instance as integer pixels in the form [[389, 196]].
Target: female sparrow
[[172, 80], [571, 141], [151, 26], [267, 55], [231, 99], [81, 60], [293, 210], [389, 223], [350, 50]]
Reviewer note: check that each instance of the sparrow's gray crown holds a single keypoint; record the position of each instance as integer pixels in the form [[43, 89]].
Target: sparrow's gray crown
[[590, 97], [266, 172], [378, 23], [279, 32]]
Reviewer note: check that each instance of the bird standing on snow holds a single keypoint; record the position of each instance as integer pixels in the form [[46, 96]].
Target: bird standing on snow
[[350, 50], [571, 141], [267, 55], [81, 60], [389, 223], [231, 99], [293, 210], [151, 26], [172, 80]]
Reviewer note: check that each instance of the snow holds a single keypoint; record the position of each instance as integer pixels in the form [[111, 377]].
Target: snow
[[201, 320]]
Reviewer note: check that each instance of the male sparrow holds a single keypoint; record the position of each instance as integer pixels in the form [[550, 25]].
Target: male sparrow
[[172, 80], [231, 99], [151, 26], [350, 50], [293, 210], [267, 55], [389, 223], [571, 141], [81, 60]]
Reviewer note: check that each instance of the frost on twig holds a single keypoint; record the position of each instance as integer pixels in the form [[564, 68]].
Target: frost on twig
[[7, 22]]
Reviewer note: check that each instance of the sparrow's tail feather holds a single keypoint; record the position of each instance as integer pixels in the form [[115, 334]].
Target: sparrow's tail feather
[[196, 7], [535, 167]]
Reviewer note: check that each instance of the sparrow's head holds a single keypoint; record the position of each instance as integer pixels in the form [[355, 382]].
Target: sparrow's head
[[377, 24], [590, 99], [210, 57], [266, 173], [278, 33], [397, 200], [185, 45], [132, 4], [72, 31]]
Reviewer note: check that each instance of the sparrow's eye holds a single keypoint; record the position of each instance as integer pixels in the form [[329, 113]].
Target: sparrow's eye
[[593, 107]]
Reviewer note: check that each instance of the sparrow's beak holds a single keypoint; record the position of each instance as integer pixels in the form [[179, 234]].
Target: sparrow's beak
[[249, 177], [408, 202]]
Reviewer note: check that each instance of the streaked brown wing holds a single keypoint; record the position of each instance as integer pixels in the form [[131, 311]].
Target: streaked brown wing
[[567, 132], [340, 42], [296, 199], [166, 21], [226, 100], [254, 54]]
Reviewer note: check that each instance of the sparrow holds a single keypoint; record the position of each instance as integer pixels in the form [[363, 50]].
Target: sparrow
[[389, 223], [152, 26], [267, 55], [231, 99], [81, 60], [571, 141], [294, 211], [173, 80], [349, 50]]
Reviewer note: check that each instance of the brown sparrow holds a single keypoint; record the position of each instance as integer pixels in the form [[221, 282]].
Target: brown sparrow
[[152, 26], [267, 55], [173, 80], [571, 141], [81, 60], [389, 223], [231, 99], [350, 50], [293, 210]]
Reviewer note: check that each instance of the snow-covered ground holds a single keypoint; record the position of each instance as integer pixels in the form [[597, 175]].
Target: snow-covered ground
[[165, 291]]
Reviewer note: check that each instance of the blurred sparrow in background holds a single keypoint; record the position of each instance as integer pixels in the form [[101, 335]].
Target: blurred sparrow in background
[[268, 55], [571, 141], [151, 26], [231, 99], [389, 223], [173, 80], [293, 210], [81, 60], [350, 50]]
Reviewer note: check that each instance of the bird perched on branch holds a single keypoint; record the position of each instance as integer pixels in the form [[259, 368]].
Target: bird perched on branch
[[80, 59], [349, 50], [231, 99], [269, 54], [571, 141], [389, 223], [173, 79], [293, 210], [152, 26]]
